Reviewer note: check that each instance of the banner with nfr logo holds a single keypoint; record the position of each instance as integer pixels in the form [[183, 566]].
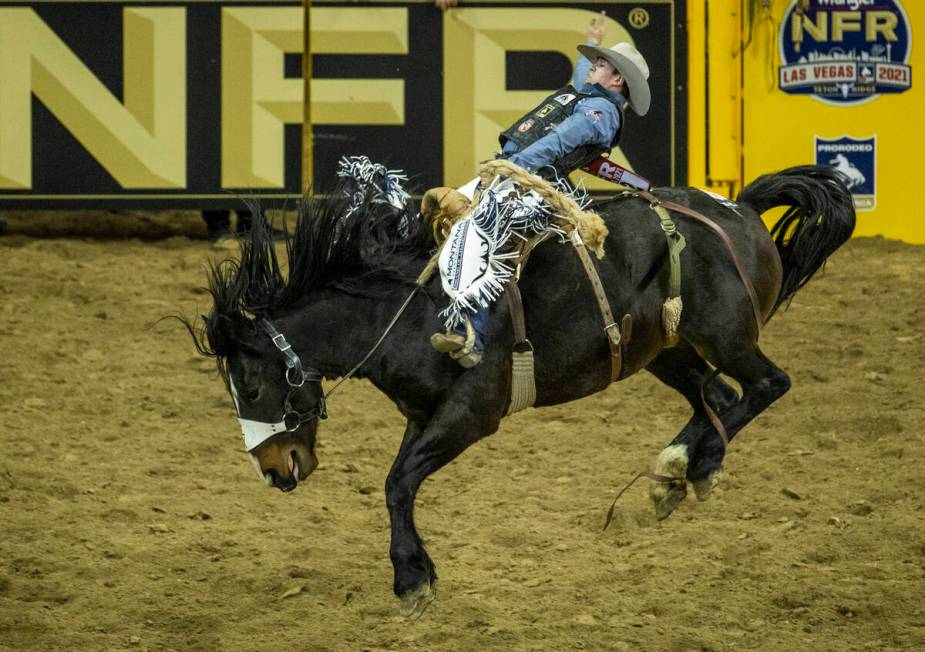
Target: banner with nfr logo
[[845, 52]]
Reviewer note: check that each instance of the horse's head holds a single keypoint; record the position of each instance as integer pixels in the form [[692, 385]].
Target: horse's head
[[337, 243], [840, 159], [278, 399]]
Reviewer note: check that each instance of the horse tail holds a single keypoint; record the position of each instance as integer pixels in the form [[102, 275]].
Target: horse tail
[[819, 220]]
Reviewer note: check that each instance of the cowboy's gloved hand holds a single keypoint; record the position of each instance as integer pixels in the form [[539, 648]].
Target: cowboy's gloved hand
[[445, 4], [597, 29]]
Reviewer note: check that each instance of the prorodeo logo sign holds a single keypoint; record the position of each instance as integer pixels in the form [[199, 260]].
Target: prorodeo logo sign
[[855, 159], [845, 51]]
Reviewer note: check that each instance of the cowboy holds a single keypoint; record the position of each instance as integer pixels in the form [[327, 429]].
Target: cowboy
[[571, 127], [578, 123]]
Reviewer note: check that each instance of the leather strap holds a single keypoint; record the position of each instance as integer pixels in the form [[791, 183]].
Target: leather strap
[[664, 479], [746, 281], [711, 414], [517, 313], [611, 329], [676, 244], [523, 374]]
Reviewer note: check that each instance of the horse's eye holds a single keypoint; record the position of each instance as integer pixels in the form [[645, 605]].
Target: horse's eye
[[250, 394]]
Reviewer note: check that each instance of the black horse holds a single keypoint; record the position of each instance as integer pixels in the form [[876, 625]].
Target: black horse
[[275, 337]]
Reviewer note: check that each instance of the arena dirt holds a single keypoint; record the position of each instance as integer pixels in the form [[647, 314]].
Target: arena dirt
[[131, 519]]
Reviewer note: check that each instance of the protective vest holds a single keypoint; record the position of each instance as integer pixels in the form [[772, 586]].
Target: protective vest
[[547, 116]]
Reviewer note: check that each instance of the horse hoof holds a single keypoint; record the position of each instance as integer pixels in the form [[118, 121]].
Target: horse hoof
[[666, 496], [416, 601], [703, 488]]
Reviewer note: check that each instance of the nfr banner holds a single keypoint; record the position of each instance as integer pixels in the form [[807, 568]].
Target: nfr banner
[[190, 104], [122, 105]]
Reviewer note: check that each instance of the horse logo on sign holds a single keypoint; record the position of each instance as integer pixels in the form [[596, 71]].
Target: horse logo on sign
[[853, 176], [855, 159], [845, 51]]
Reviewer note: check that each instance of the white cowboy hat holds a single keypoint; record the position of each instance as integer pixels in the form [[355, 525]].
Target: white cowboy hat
[[629, 63]]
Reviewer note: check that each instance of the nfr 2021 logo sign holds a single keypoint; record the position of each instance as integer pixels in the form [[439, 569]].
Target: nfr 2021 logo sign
[[845, 51], [855, 159]]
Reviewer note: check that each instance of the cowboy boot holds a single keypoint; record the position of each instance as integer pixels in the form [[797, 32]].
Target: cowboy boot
[[460, 347]]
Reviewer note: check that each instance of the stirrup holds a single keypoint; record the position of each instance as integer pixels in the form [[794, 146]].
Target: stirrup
[[467, 360], [460, 349], [467, 355]]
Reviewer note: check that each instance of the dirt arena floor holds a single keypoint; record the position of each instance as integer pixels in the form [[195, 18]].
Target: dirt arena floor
[[130, 518]]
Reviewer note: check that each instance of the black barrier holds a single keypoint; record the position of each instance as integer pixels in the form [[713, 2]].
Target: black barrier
[[191, 104]]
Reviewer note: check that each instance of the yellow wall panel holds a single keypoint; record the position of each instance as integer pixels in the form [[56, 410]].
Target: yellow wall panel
[[780, 128]]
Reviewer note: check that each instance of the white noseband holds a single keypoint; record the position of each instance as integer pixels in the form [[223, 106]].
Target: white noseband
[[254, 433]]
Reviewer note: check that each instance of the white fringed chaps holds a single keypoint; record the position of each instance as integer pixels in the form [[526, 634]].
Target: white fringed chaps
[[475, 262]]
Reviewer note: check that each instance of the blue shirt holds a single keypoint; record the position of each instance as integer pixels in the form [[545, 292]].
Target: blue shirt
[[594, 121]]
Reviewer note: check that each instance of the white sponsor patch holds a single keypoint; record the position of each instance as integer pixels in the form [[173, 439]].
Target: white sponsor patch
[[461, 258], [725, 201]]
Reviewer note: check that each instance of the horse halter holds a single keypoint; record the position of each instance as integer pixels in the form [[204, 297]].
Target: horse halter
[[257, 432]]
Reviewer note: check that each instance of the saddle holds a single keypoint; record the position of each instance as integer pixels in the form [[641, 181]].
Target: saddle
[[445, 206]]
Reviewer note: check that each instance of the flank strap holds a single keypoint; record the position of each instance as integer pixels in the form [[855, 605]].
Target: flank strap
[[746, 280]]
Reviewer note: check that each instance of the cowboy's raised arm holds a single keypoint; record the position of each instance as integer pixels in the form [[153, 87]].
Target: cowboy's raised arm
[[596, 32]]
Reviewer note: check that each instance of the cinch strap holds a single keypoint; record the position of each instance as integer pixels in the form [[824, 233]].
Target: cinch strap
[[727, 242], [611, 328]]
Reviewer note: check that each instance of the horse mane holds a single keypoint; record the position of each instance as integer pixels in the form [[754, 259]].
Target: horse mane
[[361, 246]]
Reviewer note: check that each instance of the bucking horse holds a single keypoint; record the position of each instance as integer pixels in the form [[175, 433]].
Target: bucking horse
[[350, 306]]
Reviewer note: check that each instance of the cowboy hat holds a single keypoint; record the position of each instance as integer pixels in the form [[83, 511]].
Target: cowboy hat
[[629, 63]]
